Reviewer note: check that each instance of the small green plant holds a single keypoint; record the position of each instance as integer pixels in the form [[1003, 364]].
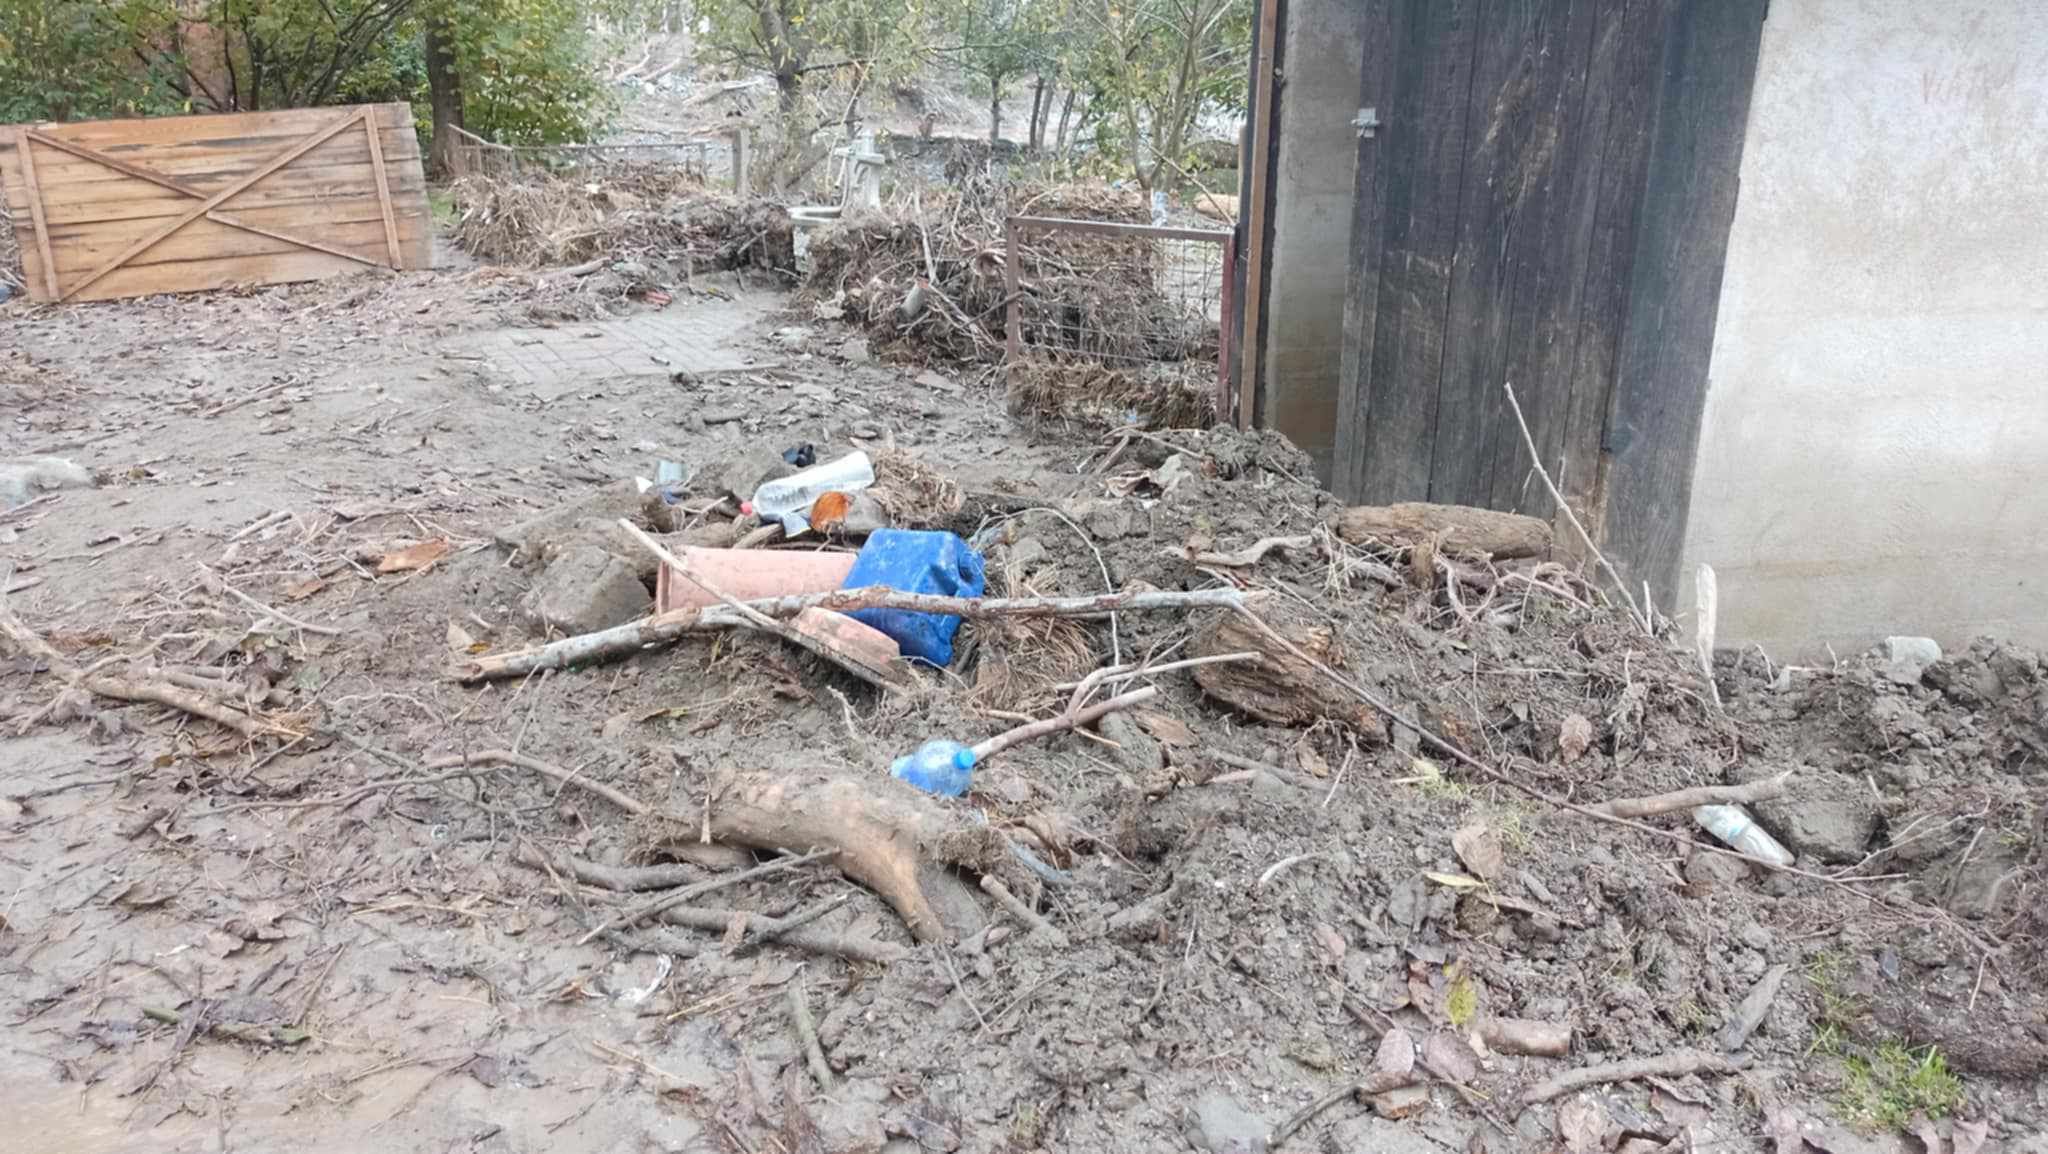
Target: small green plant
[[1688, 1016], [1838, 1009], [1884, 1090], [1461, 1000]]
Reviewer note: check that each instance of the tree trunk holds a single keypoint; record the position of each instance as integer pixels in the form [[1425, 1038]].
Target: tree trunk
[[1066, 117], [995, 111], [1041, 111], [444, 84]]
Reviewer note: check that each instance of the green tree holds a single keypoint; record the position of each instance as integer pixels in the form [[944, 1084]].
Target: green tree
[[1156, 66], [999, 41], [76, 59], [524, 71]]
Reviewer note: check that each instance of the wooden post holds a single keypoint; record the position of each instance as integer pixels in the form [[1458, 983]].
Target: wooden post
[[1223, 346], [35, 212], [1254, 214], [371, 126], [1013, 275], [740, 177]]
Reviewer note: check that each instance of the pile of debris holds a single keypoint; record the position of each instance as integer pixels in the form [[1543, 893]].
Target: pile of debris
[[658, 216]]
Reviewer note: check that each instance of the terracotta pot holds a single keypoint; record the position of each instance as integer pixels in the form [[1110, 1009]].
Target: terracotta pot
[[750, 574]]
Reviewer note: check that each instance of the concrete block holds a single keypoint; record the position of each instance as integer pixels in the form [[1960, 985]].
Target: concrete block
[[587, 589]]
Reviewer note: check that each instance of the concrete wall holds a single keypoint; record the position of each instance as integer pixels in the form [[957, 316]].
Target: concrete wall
[[1874, 454], [1321, 52]]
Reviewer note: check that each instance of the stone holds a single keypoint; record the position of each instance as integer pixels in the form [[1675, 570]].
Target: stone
[[1393, 1065], [1834, 829], [1906, 658], [854, 351], [25, 480], [1405, 1102], [720, 416], [1136, 750], [1715, 869], [1219, 1124], [587, 589], [740, 474], [1366, 1134], [1108, 521]]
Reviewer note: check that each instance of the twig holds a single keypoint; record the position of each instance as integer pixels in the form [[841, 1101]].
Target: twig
[[1023, 913], [1023, 733], [680, 896], [807, 1032], [288, 619], [521, 761], [260, 524], [1763, 789], [1116, 673], [665, 628], [1670, 1065], [1307, 1114], [1283, 865], [857, 949], [1243, 558], [960, 988], [1536, 462]]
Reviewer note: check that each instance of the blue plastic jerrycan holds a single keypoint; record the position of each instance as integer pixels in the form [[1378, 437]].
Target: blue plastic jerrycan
[[917, 561]]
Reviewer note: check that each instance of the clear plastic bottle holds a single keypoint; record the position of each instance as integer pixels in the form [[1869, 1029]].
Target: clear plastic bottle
[[1733, 825], [939, 766], [789, 499]]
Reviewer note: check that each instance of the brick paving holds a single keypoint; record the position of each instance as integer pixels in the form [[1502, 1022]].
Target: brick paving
[[700, 336]]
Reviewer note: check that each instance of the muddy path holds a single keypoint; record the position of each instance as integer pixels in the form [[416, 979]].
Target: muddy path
[[215, 944]]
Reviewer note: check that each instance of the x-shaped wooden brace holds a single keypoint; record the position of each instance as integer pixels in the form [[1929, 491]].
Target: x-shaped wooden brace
[[209, 203]]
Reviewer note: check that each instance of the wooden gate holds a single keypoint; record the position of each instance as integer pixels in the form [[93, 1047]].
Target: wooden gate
[[1545, 200], [122, 208]]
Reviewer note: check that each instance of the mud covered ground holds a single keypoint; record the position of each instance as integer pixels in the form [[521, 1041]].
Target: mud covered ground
[[218, 944]]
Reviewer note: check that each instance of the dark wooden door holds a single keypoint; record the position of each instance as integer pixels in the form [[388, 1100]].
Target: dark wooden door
[[1546, 201]]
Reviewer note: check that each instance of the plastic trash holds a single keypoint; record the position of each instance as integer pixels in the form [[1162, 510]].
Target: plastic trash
[[787, 500], [671, 480], [917, 561], [938, 766], [1740, 832], [803, 456]]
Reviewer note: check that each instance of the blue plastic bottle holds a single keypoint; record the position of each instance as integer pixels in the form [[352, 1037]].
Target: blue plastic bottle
[[917, 561], [939, 766]]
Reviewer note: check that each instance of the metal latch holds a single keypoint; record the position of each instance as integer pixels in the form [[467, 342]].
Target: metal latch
[[1366, 122]]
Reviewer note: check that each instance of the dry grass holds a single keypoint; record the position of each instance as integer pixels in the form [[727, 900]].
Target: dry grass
[[914, 494], [616, 212], [1164, 396], [1019, 659]]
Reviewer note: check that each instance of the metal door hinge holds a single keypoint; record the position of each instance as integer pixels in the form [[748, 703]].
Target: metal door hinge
[[1367, 122]]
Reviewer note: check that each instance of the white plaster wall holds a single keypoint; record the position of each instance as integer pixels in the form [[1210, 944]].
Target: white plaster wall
[[1874, 453]]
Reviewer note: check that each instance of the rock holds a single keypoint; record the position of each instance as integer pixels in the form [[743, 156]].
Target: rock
[[618, 499], [1715, 869], [739, 475], [1108, 521], [1393, 1066], [1219, 1124], [854, 351], [1906, 658], [1830, 829], [1136, 750], [721, 416], [1367, 1134], [587, 589], [791, 337], [1405, 1102], [25, 480]]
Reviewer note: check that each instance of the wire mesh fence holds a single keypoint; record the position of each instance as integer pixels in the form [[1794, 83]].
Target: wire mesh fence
[[1146, 303]]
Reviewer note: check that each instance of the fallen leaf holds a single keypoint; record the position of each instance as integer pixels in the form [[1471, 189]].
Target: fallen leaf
[[1393, 1065], [1581, 1124], [413, 557], [1479, 848], [1332, 943], [735, 931], [1167, 730], [459, 639], [1574, 737], [300, 590], [136, 896], [1450, 1057], [1311, 762], [1455, 881]]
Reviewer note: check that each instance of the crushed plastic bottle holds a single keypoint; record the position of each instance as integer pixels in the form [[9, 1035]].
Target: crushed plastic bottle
[[939, 766], [788, 500], [1740, 832]]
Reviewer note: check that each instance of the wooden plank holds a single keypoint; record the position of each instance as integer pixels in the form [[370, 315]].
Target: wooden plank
[[73, 172], [1702, 103], [1424, 159], [213, 201], [1260, 161], [33, 193], [1546, 256], [1620, 86], [1120, 229], [258, 132], [360, 240], [134, 200], [382, 182], [1384, 24], [207, 275]]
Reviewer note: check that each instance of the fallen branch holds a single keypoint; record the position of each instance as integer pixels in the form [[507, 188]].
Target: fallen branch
[[1521, 1036], [1016, 908], [521, 761], [1763, 789], [807, 1033], [1118, 673], [1461, 529], [269, 611], [666, 628], [1023, 733], [678, 897], [1671, 1065], [782, 932], [758, 620], [1244, 558], [1635, 612], [127, 689]]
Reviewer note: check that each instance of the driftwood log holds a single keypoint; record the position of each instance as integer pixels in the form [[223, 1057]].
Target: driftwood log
[[1463, 529], [1278, 686]]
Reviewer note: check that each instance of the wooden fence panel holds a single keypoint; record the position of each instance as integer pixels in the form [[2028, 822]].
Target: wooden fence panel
[[121, 208]]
